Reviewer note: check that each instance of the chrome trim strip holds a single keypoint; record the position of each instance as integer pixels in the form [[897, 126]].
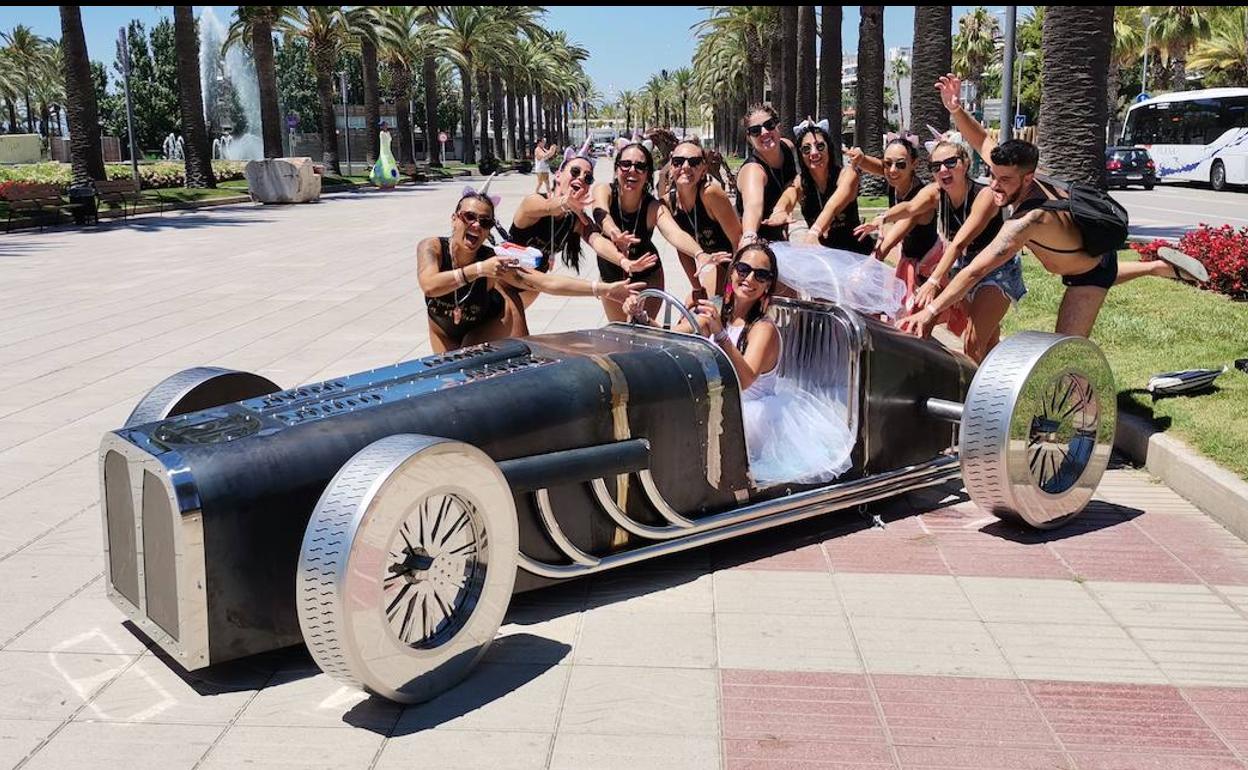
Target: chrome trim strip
[[622, 520], [660, 505], [561, 541], [944, 410], [768, 514]]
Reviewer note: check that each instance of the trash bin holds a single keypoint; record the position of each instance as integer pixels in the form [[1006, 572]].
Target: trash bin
[[82, 202]]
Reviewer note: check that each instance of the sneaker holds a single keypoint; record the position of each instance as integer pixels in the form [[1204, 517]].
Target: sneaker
[[1187, 269]]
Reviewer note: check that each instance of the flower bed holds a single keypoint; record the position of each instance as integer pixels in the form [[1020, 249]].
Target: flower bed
[[162, 174], [1222, 250]]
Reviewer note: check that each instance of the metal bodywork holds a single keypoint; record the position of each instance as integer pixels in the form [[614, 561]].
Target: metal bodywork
[[618, 444]]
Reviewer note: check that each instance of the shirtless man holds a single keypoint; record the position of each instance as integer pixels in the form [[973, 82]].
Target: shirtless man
[[1051, 235]]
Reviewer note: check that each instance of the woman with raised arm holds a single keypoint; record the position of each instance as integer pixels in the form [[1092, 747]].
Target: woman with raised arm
[[769, 170], [827, 194], [628, 214], [702, 210], [542, 153], [472, 296]]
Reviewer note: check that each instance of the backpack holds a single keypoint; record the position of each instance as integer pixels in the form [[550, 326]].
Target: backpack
[[1102, 221]]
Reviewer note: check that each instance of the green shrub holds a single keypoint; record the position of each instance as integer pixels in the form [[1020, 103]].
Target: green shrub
[[163, 174]]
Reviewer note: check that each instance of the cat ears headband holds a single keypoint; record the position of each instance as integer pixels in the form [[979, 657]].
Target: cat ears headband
[[907, 137], [808, 124]]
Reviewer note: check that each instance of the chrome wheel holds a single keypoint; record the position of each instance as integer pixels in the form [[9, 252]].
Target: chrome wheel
[[191, 390]]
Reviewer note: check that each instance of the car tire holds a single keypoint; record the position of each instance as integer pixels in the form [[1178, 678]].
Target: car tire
[[1038, 428], [1148, 186], [1217, 176], [407, 566], [202, 387]]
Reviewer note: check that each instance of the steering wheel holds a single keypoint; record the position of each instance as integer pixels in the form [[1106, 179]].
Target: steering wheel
[[670, 302]]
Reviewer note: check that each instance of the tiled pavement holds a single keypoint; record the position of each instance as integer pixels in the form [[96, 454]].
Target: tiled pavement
[[945, 639]]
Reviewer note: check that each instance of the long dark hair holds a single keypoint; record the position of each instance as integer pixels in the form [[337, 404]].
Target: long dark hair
[[808, 179], [760, 308], [649, 186], [572, 244]]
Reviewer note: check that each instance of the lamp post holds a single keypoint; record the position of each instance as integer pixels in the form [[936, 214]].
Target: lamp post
[[346, 120], [1007, 83], [1144, 67]]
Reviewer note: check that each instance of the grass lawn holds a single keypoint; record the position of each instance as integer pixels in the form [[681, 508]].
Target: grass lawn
[[1151, 326]]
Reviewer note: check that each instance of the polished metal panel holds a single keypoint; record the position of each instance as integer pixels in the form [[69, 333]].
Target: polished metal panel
[[120, 528], [608, 505], [194, 389], [160, 579], [822, 346], [656, 500], [360, 531], [764, 515], [1038, 428], [561, 541]]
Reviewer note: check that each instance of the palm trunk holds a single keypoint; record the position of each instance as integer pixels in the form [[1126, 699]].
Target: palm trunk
[[830, 76], [511, 119], [500, 117], [372, 102], [788, 68], [933, 57], [483, 99], [191, 100], [432, 146], [465, 80], [323, 64], [522, 119], [1072, 105], [266, 74], [1178, 65], [869, 104], [1112, 81], [30, 116], [806, 63], [539, 124], [13, 113], [756, 67], [401, 78], [81, 110]]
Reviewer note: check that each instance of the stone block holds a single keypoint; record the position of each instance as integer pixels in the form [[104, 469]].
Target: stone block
[[283, 180]]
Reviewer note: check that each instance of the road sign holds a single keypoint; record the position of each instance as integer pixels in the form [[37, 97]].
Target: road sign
[[1143, 96], [1020, 121], [443, 137], [292, 121]]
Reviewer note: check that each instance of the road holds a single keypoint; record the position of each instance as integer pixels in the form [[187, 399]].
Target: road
[[1168, 210]]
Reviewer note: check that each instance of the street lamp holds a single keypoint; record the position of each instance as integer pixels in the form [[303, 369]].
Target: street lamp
[[1144, 68]]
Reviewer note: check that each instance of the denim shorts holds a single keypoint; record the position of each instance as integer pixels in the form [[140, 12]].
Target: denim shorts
[[1008, 278]]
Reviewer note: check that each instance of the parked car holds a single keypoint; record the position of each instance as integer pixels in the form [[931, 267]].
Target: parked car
[[1129, 165], [386, 518]]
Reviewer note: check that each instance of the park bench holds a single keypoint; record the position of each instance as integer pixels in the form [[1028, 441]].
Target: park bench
[[37, 202], [125, 192]]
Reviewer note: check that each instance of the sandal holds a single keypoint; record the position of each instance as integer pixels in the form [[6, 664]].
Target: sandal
[[1186, 268]]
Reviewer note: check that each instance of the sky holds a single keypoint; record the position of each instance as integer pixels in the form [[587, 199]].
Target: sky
[[627, 44]]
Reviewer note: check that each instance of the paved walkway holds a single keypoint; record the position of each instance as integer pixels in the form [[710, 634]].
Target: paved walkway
[[945, 639]]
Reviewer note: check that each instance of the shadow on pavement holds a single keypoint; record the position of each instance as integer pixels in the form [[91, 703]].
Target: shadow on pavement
[[1099, 515]]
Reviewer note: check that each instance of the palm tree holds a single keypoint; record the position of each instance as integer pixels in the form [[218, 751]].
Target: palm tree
[[722, 74], [788, 67], [933, 57], [469, 32], [27, 53], [326, 30], [1226, 49], [807, 71], [899, 68], [49, 90], [1072, 109], [654, 91], [628, 103], [81, 111], [749, 25], [1126, 50], [369, 27], [1176, 28], [682, 82], [974, 48], [9, 88], [253, 28], [191, 100], [830, 74], [869, 104]]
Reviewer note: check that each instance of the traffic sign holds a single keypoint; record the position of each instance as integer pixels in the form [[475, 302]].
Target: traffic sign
[[1142, 97], [1020, 121], [443, 137], [292, 121]]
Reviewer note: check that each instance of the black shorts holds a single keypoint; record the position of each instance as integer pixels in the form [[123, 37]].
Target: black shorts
[[472, 316], [1102, 276], [610, 272]]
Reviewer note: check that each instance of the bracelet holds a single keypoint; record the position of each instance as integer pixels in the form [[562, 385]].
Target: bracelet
[[593, 288], [721, 335], [749, 235], [460, 276]]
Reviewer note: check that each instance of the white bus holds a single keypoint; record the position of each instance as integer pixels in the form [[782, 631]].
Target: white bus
[[1196, 136]]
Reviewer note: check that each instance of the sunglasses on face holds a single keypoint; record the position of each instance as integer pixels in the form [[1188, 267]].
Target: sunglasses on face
[[767, 125], [761, 274], [473, 218], [575, 172], [629, 165], [678, 161], [814, 147], [900, 165], [948, 163]]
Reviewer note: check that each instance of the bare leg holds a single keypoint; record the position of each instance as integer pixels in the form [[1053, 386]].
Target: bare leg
[[1079, 309], [984, 331], [513, 311], [498, 329], [1128, 271], [438, 340]]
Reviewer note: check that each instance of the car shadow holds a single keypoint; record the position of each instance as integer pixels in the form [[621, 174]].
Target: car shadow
[[245, 674]]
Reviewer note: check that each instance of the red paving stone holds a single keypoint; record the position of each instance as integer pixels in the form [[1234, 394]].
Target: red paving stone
[[818, 720], [1213, 553], [904, 546]]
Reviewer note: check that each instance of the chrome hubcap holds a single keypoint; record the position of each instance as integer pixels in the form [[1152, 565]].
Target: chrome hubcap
[[1063, 433], [436, 570]]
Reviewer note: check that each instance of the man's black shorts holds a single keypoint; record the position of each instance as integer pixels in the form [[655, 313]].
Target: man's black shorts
[[1103, 275]]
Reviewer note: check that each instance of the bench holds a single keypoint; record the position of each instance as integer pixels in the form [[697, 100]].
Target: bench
[[124, 192], [37, 201]]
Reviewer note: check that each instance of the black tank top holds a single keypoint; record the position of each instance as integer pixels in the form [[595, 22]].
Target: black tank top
[[840, 233], [921, 237], [475, 303], [953, 217], [550, 235], [777, 183], [698, 223], [636, 224]]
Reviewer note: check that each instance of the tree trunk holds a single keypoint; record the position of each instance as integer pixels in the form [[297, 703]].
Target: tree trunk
[[1178, 65], [1076, 42], [496, 97], [30, 116], [756, 67], [524, 112], [13, 112], [830, 76], [869, 102], [483, 100], [538, 124], [266, 75], [191, 100], [401, 79], [806, 63], [511, 119], [323, 66], [788, 69], [465, 80], [372, 103], [1112, 81], [433, 147], [933, 57], [81, 110]]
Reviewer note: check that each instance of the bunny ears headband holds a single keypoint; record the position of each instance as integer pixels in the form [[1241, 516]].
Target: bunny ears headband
[[808, 124], [484, 191], [912, 139]]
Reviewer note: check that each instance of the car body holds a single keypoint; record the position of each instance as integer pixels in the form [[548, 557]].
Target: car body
[[1126, 166], [385, 518]]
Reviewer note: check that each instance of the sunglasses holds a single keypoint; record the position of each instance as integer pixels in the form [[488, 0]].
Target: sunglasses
[[575, 172], [694, 162], [766, 125], [814, 147], [473, 218], [761, 274], [629, 165], [948, 163], [900, 165]]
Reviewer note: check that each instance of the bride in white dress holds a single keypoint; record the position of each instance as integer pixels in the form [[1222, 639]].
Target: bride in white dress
[[790, 435]]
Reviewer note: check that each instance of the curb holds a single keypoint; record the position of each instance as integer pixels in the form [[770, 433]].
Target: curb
[[1210, 487]]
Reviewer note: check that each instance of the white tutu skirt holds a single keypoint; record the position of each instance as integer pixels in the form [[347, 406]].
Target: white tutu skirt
[[793, 436]]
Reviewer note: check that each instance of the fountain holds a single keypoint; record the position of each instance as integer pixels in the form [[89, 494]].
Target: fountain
[[231, 91]]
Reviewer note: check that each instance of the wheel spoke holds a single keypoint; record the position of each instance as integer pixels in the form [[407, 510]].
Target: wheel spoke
[[459, 523], [402, 592], [437, 523]]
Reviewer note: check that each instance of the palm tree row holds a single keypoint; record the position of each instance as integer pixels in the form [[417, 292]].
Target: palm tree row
[[30, 79]]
